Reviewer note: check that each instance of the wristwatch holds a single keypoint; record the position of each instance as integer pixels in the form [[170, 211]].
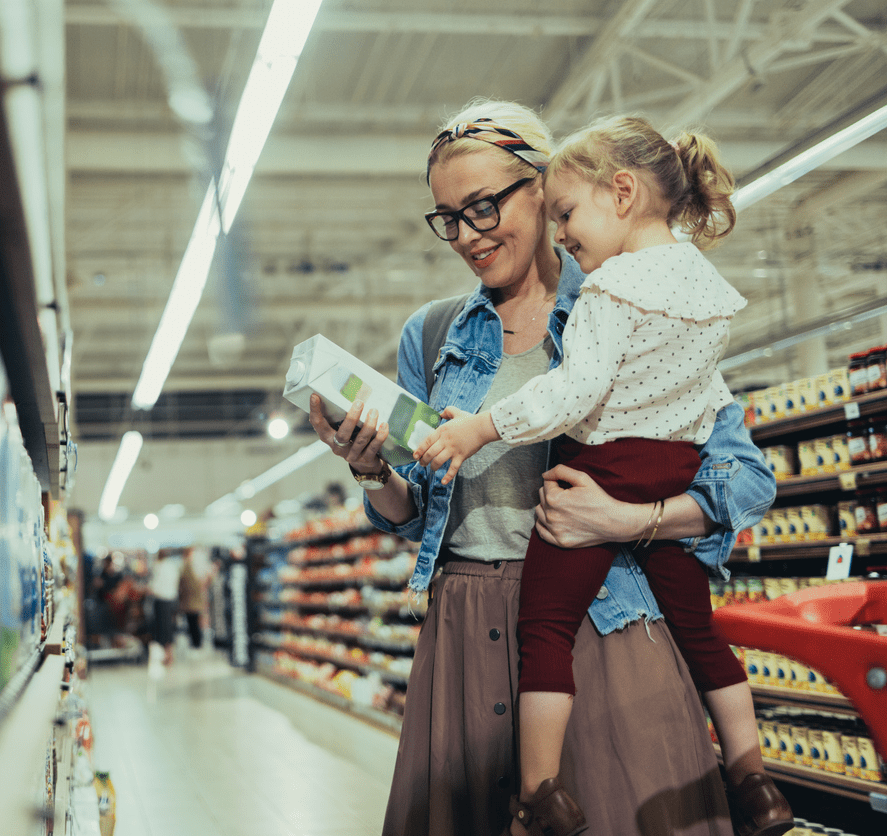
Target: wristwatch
[[372, 481]]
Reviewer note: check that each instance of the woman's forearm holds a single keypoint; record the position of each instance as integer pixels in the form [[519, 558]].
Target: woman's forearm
[[395, 500], [682, 517]]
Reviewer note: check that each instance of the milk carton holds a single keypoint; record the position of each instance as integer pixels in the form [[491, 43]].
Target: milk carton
[[320, 366]]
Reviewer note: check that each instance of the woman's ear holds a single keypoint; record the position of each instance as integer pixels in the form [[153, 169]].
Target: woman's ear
[[625, 190]]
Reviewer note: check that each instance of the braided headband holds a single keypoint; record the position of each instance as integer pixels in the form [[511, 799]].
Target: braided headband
[[487, 130]]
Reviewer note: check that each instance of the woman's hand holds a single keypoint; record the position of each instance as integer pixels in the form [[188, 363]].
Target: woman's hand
[[360, 448], [575, 512], [456, 440]]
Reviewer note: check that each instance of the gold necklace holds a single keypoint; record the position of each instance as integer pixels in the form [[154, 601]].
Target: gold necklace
[[545, 300]]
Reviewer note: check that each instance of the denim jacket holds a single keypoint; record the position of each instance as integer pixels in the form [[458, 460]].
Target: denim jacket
[[734, 487]]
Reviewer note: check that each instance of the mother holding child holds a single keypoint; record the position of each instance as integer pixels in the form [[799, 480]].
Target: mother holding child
[[564, 705]]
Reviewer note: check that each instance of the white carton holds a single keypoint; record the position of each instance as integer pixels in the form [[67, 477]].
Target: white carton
[[320, 366]]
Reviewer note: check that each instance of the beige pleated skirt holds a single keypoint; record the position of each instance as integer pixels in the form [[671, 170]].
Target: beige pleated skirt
[[637, 758]]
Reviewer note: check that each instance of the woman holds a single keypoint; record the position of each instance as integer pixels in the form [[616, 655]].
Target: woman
[[637, 756]]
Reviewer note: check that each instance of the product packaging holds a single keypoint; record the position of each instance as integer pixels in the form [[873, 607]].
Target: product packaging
[[320, 366]]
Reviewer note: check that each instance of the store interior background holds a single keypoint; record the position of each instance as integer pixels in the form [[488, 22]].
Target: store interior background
[[330, 236]]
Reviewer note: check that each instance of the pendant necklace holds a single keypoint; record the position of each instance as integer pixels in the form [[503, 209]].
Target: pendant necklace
[[538, 310]]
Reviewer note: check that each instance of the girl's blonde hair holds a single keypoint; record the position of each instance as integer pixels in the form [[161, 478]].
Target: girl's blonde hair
[[516, 117], [686, 174]]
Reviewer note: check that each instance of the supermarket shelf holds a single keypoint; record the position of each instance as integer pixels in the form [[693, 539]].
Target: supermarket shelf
[[366, 578], [362, 639], [862, 476], [318, 538], [383, 719], [21, 340], [873, 403], [338, 661], [772, 695], [872, 544], [858, 789], [24, 737]]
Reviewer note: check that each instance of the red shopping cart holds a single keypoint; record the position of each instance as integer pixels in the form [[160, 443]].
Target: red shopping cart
[[815, 627]]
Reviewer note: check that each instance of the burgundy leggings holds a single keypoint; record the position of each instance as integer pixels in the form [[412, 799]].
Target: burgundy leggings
[[558, 585]]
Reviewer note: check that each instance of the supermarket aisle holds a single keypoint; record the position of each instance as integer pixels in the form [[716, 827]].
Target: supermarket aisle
[[213, 752]]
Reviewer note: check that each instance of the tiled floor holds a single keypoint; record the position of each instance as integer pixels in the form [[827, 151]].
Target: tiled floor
[[207, 751]]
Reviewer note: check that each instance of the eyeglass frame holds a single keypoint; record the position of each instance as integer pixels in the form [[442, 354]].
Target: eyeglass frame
[[459, 214]]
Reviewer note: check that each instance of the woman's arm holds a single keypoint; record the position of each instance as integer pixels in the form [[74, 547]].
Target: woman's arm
[[583, 514], [394, 501]]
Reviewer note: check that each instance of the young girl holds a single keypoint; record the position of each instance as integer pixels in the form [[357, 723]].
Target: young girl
[[637, 390]]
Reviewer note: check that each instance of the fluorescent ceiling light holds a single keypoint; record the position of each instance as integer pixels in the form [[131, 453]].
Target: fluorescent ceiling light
[[130, 446], [811, 158], [286, 30], [250, 488]]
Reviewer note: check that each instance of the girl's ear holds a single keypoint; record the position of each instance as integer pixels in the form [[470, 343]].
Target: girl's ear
[[625, 191]]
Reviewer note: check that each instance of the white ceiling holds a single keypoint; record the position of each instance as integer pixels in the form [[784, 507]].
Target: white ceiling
[[331, 230]]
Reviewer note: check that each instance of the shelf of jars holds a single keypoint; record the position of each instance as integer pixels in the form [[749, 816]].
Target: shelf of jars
[[873, 545]]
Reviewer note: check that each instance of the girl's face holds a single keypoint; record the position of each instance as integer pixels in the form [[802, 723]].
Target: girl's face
[[503, 256], [589, 224]]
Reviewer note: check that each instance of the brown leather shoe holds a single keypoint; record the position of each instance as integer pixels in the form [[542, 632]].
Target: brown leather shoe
[[549, 812], [758, 808]]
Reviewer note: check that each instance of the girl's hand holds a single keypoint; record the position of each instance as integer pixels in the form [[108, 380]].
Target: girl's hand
[[575, 512], [359, 448], [456, 440]]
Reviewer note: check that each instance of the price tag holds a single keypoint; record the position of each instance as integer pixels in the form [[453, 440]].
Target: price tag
[[839, 559], [851, 410], [847, 480], [754, 554]]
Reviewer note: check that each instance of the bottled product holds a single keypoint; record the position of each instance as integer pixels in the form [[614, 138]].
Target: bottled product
[[877, 432], [858, 371], [876, 368], [867, 512], [881, 509], [857, 442]]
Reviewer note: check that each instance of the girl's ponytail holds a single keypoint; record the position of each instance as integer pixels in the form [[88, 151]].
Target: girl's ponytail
[[687, 177], [705, 211]]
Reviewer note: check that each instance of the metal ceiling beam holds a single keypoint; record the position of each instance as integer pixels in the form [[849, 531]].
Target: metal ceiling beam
[[505, 25], [800, 24], [336, 155]]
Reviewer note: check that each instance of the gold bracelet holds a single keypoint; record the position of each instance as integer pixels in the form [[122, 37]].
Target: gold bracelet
[[644, 529], [658, 522]]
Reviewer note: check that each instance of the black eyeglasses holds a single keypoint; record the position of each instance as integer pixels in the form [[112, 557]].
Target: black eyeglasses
[[481, 215]]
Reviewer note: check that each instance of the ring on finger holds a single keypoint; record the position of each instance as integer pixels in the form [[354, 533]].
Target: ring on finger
[[340, 443]]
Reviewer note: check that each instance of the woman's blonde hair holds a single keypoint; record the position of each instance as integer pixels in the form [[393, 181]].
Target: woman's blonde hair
[[516, 117], [687, 174]]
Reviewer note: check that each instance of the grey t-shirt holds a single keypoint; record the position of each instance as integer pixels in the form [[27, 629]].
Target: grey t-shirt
[[491, 511]]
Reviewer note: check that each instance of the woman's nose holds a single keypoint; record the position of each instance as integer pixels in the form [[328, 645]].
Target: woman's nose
[[466, 233]]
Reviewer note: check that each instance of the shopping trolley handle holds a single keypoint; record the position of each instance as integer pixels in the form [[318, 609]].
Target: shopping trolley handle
[[816, 627]]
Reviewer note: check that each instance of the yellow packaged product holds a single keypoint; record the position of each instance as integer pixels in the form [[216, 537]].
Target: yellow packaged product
[[817, 521], [768, 668], [814, 740], [796, 529], [782, 671], [850, 752], [841, 452], [791, 398], [776, 402], [800, 676], [807, 394], [824, 394], [770, 747], [868, 760], [107, 803], [839, 380], [832, 751], [786, 744], [825, 456], [761, 400], [772, 588], [780, 525], [753, 666], [788, 585], [764, 529], [801, 744], [807, 462]]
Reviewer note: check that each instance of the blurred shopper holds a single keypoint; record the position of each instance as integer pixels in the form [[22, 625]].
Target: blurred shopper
[[191, 599], [164, 587]]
